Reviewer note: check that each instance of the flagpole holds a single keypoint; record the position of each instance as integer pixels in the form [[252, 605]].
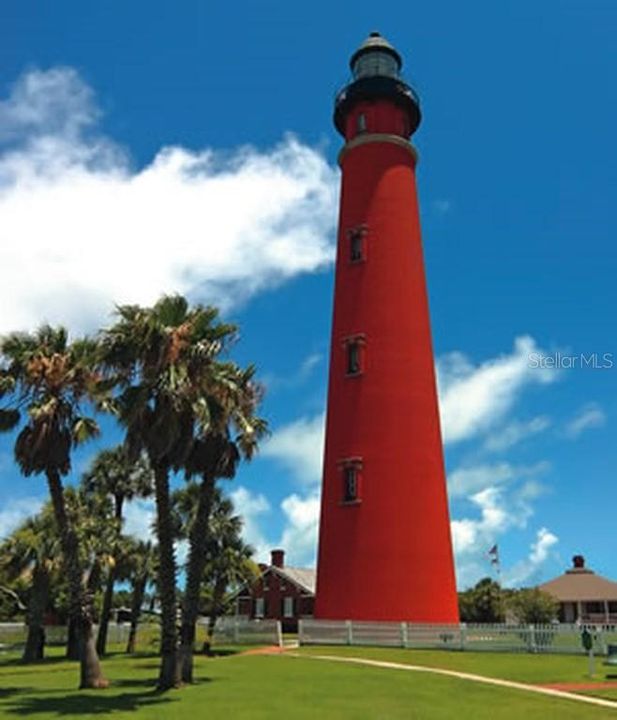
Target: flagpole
[[495, 561]]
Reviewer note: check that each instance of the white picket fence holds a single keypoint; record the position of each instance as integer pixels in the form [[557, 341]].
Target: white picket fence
[[228, 630], [232, 630], [13, 635], [554, 638]]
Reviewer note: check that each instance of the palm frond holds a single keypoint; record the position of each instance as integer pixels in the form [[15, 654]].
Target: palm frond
[[84, 429]]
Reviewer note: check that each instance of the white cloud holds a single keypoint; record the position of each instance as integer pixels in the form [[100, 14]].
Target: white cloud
[[139, 517], [16, 511], [588, 417], [309, 364], [299, 537], [469, 480], [479, 534], [514, 432], [299, 447], [251, 507], [295, 379], [500, 511], [43, 104], [139, 522], [81, 230], [527, 570], [473, 399]]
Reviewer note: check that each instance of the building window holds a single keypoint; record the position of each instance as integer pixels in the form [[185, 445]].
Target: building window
[[260, 607], [288, 607], [356, 236], [594, 607], [351, 470], [361, 123]]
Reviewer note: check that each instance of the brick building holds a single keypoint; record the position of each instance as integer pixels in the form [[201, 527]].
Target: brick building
[[281, 593]]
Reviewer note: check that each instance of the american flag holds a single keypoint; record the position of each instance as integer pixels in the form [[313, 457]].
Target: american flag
[[494, 555]]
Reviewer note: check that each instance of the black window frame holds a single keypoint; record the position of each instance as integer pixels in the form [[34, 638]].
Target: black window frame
[[357, 244], [354, 360], [350, 483]]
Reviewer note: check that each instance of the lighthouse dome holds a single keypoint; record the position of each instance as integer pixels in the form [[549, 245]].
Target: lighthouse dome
[[375, 57], [376, 67]]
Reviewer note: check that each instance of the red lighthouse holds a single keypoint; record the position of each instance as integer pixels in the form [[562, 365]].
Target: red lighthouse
[[385, 551]]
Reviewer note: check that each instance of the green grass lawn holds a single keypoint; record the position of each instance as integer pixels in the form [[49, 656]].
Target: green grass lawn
[[266, 687], [523, 667], [601, 693]]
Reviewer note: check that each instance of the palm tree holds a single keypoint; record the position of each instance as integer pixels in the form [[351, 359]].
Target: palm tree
[[31, 551], [141, 562], [54, 381], [233, 397], [161, 358], [97, 531], [229, 560], [111, 474]]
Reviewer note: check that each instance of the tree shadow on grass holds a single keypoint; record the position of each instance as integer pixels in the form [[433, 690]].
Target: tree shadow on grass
[[149, 682], [18, 662], [223, 652], [6, 692], [86, 704]]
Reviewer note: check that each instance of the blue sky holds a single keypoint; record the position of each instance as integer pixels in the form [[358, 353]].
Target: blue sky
[[150, 147]]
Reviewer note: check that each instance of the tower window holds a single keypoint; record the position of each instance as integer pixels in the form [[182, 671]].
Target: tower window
[[354, 354], [361, 123], [350, 487], [356, 236], [351, 469], [353, 358]]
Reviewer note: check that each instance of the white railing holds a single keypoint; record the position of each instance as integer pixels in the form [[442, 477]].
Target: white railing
[[248, 632], [13, 635], [554, 638], [228, 630]]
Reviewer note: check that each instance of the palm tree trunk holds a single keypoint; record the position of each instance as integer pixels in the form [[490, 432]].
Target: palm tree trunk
[[217, 600], [108, 597], [194, 575], [101, 638], [169, 675], [72, 639], [137, 599], [93, 580], [80, 610], [35, 642]]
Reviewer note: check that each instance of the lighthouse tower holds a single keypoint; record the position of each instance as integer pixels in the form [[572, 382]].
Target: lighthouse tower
[[385, 551]]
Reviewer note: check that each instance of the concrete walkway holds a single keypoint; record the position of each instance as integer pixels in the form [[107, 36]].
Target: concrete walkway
[[538, 689]]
